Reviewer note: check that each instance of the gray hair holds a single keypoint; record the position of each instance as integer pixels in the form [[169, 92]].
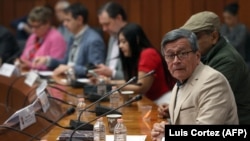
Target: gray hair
[[177, 34]]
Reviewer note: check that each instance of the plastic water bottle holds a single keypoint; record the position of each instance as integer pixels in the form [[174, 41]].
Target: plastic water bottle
[[120, 131], [80, 106], [114, 98], [70, 73], [99, 130], [101, 86]]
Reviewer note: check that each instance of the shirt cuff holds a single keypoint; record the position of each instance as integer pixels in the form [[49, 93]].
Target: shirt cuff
[[20, 26], [113, 73]]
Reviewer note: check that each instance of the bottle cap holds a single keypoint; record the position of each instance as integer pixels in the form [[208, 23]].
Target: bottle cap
[[114, 87], [81, 99], [120, 120], [100, 119], [101, 80]]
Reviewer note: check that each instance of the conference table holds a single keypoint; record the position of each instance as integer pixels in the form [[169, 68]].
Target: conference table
[[131, 115]]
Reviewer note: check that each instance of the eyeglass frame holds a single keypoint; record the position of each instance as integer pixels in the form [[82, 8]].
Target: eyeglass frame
[[184, 55], [40, 24]]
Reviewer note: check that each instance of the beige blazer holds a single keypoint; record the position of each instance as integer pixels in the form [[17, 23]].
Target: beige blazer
[[206, 98]]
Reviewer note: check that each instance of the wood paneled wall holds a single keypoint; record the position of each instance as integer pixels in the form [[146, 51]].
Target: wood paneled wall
[[155, 16]]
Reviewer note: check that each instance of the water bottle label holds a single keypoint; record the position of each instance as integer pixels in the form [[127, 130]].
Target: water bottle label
[[120, 137], [99, 134], [101, 90]]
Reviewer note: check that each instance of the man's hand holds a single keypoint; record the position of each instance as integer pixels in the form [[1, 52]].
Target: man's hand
[[158, 131], [163, 111], [103, 70], [39, 61], [60, 70]]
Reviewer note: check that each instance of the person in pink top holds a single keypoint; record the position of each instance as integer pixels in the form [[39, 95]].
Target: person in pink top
[[44, 41]]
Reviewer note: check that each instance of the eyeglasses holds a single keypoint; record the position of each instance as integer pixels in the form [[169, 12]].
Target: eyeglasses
[[35, 26], [180, 56]]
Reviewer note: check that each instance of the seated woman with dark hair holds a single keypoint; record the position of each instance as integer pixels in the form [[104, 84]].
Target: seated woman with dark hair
[[138, 57]]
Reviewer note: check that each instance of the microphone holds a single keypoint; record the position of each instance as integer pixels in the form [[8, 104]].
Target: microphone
[[19, 131], [133, 99], [147, 74], [76, 123], [68, 112]]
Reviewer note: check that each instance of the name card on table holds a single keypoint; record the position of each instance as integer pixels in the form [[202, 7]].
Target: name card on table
[[44, 101], [41, 87], [31, 78], [26, 117], [7, 69]]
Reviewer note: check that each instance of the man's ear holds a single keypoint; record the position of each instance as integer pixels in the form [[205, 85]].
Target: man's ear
[[198, 54], [215, 36], [80, 19], [118, 17]]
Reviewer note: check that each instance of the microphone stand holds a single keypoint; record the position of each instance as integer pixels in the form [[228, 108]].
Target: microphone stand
[[136, 98]]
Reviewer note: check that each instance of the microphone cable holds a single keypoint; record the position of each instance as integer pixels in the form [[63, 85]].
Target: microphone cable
[[21, 132], [68, 112], [27, 96]]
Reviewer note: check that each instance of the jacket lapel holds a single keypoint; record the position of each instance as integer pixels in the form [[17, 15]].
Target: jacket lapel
[[172, 103], [186, 91]]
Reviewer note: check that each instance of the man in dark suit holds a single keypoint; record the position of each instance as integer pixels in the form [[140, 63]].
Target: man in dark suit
[[85, 47], [112, 18], [8, 46]]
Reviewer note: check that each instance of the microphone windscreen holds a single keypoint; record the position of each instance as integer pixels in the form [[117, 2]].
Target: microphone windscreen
[[151, 72], [136, 98], [70, 111]]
